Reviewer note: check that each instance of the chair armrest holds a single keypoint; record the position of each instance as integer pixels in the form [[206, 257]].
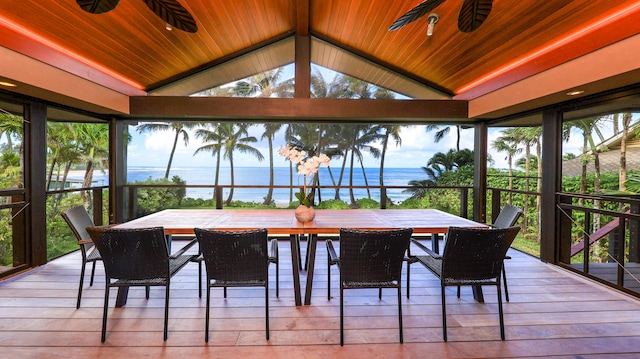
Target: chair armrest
[[84, 241], [184, 249], [425, 249], [333, 257]]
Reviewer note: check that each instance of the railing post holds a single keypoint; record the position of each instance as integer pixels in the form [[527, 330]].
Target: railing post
[[634, 234], [464, 202], [97, 206], [495, 204], [586, 240], [564, 221], [18, 223], [620, 244], [383, 197], [133, 202], [218, 194]]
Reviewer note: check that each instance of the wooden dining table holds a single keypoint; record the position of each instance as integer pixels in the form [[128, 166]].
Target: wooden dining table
[[283, 222]]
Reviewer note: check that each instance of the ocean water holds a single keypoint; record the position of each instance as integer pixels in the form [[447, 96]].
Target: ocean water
[[260, 176]]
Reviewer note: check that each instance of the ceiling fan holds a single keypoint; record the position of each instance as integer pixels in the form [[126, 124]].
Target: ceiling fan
[[170, 11], [472, 14]]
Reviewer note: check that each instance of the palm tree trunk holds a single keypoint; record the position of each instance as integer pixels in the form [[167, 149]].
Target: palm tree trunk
[[51, 168], [173, 150], [267, 199], [510, 180], [228, 202], [626, 120], [351, 196], [385, 141], [366, 182], [344, 165]]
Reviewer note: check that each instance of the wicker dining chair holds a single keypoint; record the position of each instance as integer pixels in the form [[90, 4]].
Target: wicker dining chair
[[236, 259], [137, 257], [471, 256], [369, 259], [78, 220], [508, 217]]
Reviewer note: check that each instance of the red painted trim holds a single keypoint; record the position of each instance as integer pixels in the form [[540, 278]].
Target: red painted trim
[[613, 26], [26, 43]]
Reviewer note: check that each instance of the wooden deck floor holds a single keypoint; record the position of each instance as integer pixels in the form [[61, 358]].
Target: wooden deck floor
[[552, 314]]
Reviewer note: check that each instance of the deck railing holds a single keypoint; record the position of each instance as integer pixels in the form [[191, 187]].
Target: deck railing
[[600, 238], [218, 194]]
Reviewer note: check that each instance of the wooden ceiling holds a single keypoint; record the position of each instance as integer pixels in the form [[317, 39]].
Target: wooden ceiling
[[131, 46]]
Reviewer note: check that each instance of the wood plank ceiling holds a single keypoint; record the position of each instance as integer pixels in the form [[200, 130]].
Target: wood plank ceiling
[[130, 43]]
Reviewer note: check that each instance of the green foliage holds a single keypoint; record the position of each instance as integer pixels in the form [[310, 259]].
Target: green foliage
[[6, 238], [154, 199], [303, 198], [367, 203], [411, 203], [332, 204], [254, 205], [198, 203]]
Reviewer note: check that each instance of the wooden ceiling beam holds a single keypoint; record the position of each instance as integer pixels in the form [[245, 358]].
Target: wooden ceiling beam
[[300, 109]]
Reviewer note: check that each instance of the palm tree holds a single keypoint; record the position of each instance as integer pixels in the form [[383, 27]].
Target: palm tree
[[93, 141], [626, 124], [229, 138], [266, 84], [179, 128], [362, 136], [212, 143], [11, 126], [509, 145], [269, 133], [390, 132], [440, 134], [587, 127]]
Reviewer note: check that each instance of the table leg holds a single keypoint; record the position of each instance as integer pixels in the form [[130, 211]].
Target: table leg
[[295, 264], [312, 240], [477, 293], [121, 299], [435, 242]]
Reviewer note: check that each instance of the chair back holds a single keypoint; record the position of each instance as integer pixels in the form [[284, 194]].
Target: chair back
[[372, 255], [507, 217], [234, 255], [78, 219], [132, 254], [475, 253]]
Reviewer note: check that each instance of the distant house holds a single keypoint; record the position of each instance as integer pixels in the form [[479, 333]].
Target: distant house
[[610, 158]]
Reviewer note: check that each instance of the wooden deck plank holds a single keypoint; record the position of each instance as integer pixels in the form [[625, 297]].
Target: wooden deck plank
[[552, 314]]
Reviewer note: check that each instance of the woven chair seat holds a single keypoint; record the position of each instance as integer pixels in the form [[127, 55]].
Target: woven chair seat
[[237, 283], [93, 255], [139, 282], [384, 284]]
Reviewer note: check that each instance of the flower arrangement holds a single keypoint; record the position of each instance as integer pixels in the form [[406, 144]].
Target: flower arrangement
[[307, 166]]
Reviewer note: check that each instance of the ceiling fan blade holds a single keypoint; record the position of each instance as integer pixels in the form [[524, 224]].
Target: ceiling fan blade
[[415, 13], [473, 13], [171, 12], [97, 6]]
